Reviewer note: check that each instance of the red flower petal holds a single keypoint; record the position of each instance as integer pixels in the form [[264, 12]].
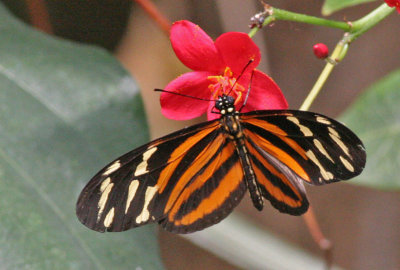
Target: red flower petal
[[195, 48], [237, 49], [394, 3], [182, 108], [265, 94]]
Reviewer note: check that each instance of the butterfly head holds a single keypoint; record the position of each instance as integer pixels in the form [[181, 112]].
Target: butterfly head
[[225, 104]]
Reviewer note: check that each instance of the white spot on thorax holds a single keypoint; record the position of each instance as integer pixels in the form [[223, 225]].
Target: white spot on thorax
[[142, 167], [133, 186], [115, 166], [109, 218], [145, 214], [305, 130]]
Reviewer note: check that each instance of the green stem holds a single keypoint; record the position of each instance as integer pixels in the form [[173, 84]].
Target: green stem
[[285, 15], [267, 21], [353, 31], [274, 14], [367, 22], [340, 49], [359, 27]]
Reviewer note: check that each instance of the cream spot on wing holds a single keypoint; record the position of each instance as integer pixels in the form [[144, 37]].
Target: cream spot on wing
[[305, 130], [133, 186], [325, 174], [321, 148], [347, 164], [145, 215], [142, 167], [336, 138], [109, 218], [105, 183], [333, 132], [105, 188], [115, 166], [323, 120]]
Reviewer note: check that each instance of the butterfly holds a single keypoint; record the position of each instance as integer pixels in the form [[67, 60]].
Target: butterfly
[[193, 178]]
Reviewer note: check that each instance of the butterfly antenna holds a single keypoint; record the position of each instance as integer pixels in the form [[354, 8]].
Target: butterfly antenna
[[240, 75], [248, 91], [183, 95]]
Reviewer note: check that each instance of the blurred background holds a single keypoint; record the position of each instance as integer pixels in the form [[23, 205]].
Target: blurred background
[[362, 223]]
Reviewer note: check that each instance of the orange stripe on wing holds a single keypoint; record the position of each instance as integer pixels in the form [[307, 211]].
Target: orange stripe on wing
[[178, 154], [275, 191], [265, 125], [219, 195], [295, 146], [279, 132], [194, 168], [279, 154]]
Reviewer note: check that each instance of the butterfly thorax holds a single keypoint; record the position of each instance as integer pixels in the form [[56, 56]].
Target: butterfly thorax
[[229, 116]]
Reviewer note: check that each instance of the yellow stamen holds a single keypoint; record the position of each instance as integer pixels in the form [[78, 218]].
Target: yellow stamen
[[224, 84]]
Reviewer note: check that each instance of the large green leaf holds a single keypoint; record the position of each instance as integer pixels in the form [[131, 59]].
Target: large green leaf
[[375, 117], [65, 110], [331, 6]]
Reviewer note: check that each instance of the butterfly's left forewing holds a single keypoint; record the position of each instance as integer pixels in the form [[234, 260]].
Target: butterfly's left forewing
[[182, 181]]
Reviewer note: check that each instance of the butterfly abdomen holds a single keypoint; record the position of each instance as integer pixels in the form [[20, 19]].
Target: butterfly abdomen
[[249, 175], [233, 128]]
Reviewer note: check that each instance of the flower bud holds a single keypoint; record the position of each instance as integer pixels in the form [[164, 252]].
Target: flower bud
[[321, 51]]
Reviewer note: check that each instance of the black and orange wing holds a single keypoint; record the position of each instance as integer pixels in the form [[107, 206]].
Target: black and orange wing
[[185, 181], [289, 147]]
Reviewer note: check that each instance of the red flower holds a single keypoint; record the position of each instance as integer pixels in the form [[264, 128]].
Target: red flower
[[393, 3], [216, 66]]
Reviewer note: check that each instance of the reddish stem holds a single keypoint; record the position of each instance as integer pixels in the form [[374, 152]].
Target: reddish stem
[[316, 233], [155, 14], [39, 15]]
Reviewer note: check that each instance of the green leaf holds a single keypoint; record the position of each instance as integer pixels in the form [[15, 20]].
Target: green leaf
[[65, 111], [331, 6], [375, 117]]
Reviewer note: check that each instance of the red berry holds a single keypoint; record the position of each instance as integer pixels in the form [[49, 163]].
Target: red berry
[[321, 51]]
